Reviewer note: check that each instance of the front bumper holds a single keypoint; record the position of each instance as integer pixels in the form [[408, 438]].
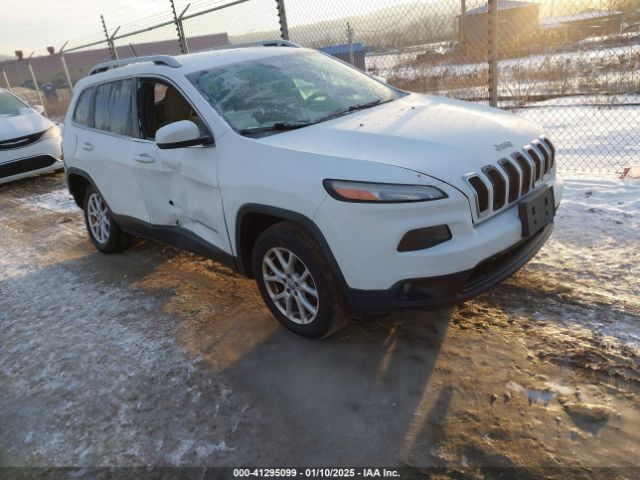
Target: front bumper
[[446, 290], [40, 157]]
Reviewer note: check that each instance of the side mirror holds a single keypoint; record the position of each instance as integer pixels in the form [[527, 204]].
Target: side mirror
[[38, 108], [379, 78], [181, 134]]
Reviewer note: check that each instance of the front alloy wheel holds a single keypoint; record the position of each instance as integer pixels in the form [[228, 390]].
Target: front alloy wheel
[[290, 285], [296, 281]]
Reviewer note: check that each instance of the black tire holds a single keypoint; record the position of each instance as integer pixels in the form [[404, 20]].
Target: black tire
[[332, 313], [116, 240]]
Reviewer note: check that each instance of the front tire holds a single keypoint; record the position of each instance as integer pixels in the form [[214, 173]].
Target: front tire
[[297, 283], [104, 232]]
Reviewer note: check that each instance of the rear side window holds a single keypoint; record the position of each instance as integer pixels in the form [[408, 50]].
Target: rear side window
[[115, 109], [82, 113]]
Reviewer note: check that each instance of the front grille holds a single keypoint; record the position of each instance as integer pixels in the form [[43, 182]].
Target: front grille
[[496, 188], [20, 141]]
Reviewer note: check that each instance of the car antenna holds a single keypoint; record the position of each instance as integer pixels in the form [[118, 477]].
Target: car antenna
[[133, 50]]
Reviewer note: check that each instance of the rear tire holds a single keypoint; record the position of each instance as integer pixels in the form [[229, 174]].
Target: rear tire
[[104, 232], [297, 283]]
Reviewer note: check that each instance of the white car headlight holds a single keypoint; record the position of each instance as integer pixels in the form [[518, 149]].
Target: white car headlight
[[350, 191], [51, 132]]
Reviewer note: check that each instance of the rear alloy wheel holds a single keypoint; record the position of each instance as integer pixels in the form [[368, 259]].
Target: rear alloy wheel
[[296, 281], [105, 234]]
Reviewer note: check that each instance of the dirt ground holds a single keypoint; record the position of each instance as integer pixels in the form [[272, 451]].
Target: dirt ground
[[156, 357]]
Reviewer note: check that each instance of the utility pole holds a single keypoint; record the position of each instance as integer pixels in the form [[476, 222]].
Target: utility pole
[[350, 41]]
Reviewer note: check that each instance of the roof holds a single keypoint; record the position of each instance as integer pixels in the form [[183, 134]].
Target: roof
[[554, 22], [502, 5], [342, 49]]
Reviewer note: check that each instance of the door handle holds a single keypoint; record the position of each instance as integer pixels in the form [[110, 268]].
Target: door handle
[[144, 158], [87, 146]]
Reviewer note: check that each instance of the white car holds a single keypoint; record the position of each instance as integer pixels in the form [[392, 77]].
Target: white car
[[30, 144], [335, 191]]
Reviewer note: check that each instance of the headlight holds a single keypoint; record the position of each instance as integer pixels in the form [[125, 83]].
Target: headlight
[[349, 191], [51, 132]]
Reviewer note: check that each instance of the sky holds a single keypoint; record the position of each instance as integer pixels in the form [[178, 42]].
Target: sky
[[31, 25]]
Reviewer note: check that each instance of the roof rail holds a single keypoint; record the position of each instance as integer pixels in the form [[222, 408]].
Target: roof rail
[[261, 43], [167, 60]]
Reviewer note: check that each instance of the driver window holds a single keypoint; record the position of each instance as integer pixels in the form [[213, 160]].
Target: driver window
[[160, 105]]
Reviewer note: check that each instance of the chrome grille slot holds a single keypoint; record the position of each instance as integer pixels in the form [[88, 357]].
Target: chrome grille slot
[[498, 184], [514, 179], [482, 193], [545, 156], [537, 162], [552, 149], [527, 174]]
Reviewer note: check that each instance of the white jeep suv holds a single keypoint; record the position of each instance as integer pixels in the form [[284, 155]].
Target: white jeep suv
[[335, 191]]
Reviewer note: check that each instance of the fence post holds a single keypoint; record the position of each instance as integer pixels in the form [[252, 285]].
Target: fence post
[[35, 83], [182, 42], [110, 45], [65, 69], [493, 52], [282, 14], [461, 26], [6, 79]]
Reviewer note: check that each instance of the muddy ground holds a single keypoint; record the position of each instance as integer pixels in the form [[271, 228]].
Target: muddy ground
[[156, 357]]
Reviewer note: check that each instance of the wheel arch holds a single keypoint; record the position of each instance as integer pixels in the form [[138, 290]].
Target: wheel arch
[[253, 219], [77, 182]]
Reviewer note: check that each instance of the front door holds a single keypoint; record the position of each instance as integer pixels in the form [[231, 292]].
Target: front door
[[179, 186]]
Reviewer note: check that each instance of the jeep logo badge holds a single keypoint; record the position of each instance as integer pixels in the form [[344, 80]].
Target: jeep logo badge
[[503, 146]]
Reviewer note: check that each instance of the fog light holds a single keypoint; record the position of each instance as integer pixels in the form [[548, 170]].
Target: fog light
[[422, 238]]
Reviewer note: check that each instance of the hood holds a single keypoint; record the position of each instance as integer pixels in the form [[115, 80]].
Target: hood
[[26, 123], [436, 136]]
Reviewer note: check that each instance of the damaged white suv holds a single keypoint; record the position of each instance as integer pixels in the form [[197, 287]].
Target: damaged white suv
[[335, 191]]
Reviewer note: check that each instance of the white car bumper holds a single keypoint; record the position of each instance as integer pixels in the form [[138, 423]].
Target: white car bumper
[[40, 157]]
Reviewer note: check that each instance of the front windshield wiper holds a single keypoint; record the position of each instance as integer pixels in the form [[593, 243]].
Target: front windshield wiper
[[276, 127], [362, 106]]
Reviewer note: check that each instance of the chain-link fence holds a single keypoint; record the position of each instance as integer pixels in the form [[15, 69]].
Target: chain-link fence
[[570, 65]]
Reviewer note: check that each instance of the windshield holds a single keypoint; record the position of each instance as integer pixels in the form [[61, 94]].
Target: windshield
[[287, 91], [10, 105]]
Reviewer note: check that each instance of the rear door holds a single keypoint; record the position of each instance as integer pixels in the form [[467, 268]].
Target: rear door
[[109, 146]]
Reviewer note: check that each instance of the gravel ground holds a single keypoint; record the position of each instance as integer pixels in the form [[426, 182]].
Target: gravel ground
[[156, 357]]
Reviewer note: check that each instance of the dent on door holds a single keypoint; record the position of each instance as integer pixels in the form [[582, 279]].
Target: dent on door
[[194, 195]]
